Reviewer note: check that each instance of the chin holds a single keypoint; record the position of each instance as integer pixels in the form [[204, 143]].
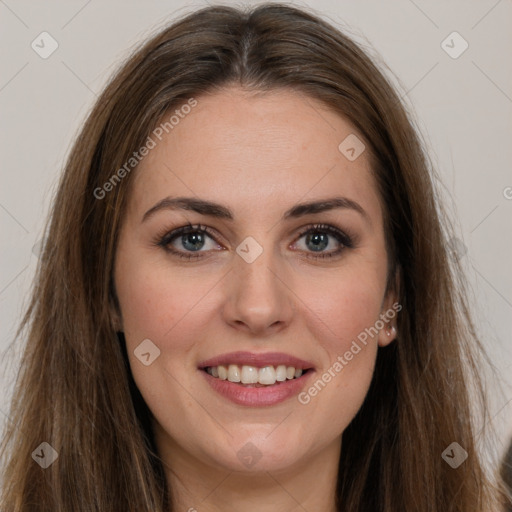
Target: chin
[[257, 452]]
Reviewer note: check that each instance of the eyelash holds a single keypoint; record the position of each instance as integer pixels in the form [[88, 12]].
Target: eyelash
[[164, 240]]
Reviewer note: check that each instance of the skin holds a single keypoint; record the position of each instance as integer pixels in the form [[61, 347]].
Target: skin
[[258, 155]]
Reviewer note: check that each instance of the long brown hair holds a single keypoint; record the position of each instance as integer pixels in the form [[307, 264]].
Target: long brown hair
[[75, 390]]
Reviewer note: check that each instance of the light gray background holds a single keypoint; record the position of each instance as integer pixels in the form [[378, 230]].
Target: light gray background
[[463, 107]]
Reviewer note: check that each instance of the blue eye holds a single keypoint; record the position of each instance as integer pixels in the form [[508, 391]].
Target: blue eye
[[193, 238], [317, 238]]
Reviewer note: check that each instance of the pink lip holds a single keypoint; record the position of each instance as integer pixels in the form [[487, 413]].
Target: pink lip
[[258, 397], [259, 360]]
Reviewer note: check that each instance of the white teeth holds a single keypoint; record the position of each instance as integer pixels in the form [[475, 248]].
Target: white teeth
[[223, 372], [249, 375], [233, 373], [267, 376], [281, 373]]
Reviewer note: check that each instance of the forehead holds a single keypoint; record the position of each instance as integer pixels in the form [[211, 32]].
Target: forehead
[[255, 153]]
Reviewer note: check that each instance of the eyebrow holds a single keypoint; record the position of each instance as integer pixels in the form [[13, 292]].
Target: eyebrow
[[219, 211]]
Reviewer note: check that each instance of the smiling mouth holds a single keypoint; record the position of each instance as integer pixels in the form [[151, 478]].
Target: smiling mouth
[[254, 376]]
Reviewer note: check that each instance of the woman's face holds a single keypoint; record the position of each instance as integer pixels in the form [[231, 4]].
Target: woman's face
[[259, 291]]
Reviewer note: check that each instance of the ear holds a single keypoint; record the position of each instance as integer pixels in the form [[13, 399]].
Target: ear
[[115, 319], [389, 313], [114, 311]]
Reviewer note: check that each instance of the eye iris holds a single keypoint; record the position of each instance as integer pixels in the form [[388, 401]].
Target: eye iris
[[196, 241], [319, 239]]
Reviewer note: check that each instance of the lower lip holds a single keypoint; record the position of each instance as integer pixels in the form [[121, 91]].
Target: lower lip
[[258, 397]]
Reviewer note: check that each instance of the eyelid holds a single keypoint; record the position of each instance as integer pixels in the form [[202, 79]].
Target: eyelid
[[345, 237], [168, 235], [348, 239]]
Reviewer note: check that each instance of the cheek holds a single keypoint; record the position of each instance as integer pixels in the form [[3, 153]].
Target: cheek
[[342, 304], [146, 309], [342, 311], [153, 299], [170, 306], [164, 306]]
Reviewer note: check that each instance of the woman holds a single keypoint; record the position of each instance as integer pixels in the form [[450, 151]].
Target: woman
[[245, 299]]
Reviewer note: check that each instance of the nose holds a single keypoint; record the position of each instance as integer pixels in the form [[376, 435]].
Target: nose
[[259, 300]]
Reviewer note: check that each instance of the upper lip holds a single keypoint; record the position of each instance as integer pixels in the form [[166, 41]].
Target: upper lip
[[255, 359]]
